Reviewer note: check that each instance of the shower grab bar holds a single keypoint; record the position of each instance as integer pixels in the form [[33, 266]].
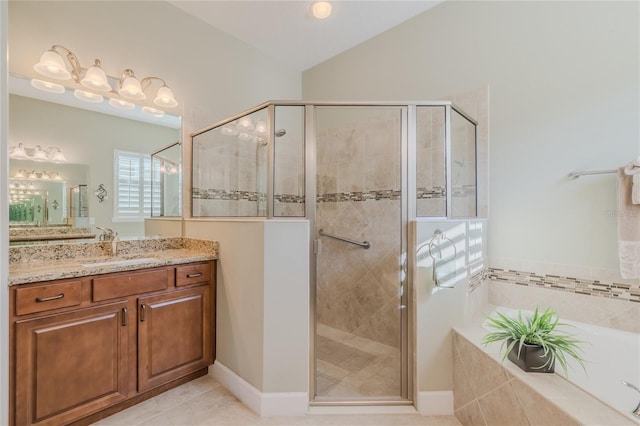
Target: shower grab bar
[[364, 244]]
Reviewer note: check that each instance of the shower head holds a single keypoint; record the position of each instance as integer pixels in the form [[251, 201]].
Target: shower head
[[280, 132]]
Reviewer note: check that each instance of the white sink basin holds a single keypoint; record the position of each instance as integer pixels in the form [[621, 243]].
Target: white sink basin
[[123, 262]]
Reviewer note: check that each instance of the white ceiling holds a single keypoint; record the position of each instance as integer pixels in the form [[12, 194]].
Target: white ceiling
[[285, 29]]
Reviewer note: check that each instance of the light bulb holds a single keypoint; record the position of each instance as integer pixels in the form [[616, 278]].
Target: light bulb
[[245, 123], [261, 127], [321, 9], [56, 155], [228, 131], [18, 152], [39, 154], [93, 98], [131, 89], [117, 103], [32, 175], [165, 98], [46, 86], [96, 79], [52, 65], [245, 136], [152, 111]]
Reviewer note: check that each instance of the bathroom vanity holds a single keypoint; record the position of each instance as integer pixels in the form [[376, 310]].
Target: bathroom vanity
[[86, 346]]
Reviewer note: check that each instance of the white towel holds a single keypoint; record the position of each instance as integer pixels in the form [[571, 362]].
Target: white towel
[[628, 228], [633, 169]]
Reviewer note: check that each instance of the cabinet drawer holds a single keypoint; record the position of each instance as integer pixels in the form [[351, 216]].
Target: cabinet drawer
[[130, 283], [47, 297], [193, 274]]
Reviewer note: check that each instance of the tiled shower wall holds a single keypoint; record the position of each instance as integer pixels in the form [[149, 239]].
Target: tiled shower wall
[[359, 198], [226, 178]]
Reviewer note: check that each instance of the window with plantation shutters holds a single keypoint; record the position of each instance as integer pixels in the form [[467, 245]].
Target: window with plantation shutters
[[133, 187]]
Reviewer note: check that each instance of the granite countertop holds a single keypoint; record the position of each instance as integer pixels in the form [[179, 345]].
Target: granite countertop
[[31, 264]]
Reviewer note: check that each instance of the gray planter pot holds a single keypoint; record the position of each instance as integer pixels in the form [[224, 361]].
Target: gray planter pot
[[531, 358]]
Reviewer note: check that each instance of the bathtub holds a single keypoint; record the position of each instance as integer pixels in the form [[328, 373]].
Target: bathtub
[[611, 356]]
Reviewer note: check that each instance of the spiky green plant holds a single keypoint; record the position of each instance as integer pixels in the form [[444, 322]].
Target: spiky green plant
[[537, 329]]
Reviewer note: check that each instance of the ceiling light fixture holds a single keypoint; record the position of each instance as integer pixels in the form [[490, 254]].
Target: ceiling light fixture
[[321, 9], [52, 65]]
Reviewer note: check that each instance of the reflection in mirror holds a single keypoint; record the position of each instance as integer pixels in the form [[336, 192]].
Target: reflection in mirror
[[166, 184], [90, 141]]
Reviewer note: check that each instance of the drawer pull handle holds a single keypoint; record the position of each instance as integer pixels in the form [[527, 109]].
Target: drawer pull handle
[[124, 316], [199, 274], [47, 299], [143, 312]]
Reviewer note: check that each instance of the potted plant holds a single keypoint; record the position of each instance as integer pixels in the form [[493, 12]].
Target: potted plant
[[534, 343]]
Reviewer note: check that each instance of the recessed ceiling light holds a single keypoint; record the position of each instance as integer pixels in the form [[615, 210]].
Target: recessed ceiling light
[[321, 9]]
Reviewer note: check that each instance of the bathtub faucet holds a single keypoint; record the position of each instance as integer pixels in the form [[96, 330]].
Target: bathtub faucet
[[635, 412]]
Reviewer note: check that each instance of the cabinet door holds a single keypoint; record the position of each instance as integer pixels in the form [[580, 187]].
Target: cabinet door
[[70, 365], [174, 335]]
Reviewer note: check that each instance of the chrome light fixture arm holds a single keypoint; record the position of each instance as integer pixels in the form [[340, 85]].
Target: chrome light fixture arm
[[76, 69]]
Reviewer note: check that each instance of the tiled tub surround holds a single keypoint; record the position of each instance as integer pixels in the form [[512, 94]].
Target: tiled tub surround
[[603, 303], [490, 392], [36, 263]]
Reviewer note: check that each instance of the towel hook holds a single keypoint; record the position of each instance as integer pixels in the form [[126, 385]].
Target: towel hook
[[438, 235]]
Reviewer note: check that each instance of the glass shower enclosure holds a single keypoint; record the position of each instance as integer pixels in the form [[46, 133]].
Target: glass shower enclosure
[[360, 173]]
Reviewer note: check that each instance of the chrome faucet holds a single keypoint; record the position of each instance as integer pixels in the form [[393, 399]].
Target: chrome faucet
[[110, 235], [635, 412]]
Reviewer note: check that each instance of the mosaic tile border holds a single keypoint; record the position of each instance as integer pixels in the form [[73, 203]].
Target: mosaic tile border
[[428, 193], [223, 194], [477, 280], [288, 198], [336, 197], [587, 287], [464, 190]]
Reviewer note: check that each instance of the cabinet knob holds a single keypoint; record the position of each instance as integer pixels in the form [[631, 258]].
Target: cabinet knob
[[124, 316], [143, 312], [199, 274]]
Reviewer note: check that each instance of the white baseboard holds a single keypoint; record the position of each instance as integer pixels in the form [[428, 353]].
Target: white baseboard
[[435, 403], [263, 403]]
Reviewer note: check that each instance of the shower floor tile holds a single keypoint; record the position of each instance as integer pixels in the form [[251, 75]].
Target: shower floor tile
[[352, 366]]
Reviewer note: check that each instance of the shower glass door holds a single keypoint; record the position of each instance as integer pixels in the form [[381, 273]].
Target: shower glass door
[[360, 320]]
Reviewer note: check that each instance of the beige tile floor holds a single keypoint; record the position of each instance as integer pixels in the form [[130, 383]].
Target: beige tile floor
[[205, 401]]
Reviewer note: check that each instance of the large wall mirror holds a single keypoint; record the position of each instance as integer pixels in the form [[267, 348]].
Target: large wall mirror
[[108, 159]]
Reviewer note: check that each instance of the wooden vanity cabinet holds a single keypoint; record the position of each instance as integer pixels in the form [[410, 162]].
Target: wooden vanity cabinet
[[70, 363], [174, 335], [88, 347]]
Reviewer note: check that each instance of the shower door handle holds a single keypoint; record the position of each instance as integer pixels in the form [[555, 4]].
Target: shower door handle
[[364, 244], [317, 246]]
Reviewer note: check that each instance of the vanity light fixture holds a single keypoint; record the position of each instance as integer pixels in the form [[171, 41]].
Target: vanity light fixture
[[321, 9], [52, 65], [53, 153]]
